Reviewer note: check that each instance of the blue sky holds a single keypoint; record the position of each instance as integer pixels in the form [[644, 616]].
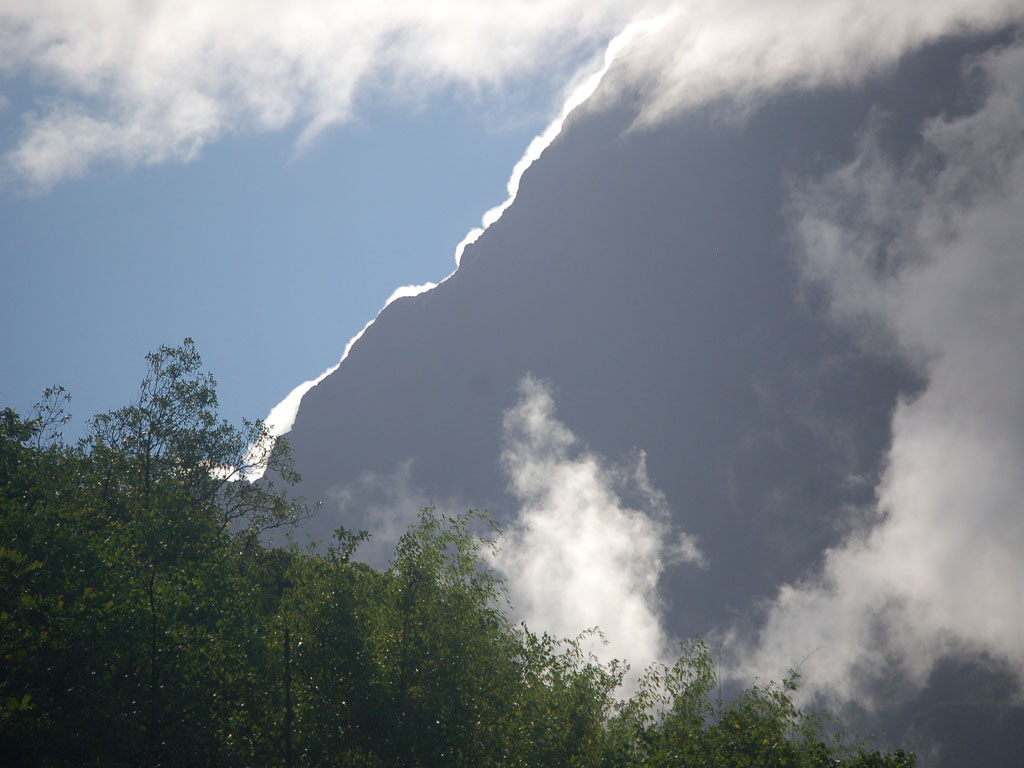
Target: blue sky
[[272, 258]]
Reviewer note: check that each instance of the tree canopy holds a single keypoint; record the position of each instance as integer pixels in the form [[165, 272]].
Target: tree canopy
[[143, 621]]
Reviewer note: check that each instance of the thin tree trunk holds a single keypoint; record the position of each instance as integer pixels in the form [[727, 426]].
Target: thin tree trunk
[[289, 714], [154, 677]]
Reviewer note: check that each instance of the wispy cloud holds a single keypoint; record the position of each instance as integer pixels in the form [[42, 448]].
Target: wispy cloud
[[142, 83], [386, 504], [744, 51], [578, 556], [924, 257]]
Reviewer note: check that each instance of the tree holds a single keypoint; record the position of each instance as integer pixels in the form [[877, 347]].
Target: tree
[[121, 570], [144, 621]]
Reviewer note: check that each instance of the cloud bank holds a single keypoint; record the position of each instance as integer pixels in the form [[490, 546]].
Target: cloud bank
[[144, 83], [578, 556], [923, 258]]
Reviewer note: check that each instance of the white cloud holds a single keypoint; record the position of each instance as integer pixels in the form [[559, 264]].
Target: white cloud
[[926, 258], [744, 51], [145, 83], [142, 83], [577, 556]]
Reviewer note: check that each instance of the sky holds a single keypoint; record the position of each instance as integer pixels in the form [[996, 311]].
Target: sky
[[264, 182], [270, 233]]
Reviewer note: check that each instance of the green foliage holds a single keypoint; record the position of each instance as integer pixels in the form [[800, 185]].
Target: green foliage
[[143, 621]]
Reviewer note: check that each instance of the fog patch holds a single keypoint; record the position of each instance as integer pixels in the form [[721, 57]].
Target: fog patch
[[577, 556], [922, 258]]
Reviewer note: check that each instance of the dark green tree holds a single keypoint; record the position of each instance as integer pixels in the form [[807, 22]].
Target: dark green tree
[[120, 572], [143, 621]]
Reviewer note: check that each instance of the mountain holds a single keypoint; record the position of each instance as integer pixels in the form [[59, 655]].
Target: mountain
[[654, 283]]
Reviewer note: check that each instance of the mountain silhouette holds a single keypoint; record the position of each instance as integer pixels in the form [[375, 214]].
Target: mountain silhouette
[[647, 275]]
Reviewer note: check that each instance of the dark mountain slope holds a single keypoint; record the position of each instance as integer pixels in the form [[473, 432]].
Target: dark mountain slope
[[647, 276]]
